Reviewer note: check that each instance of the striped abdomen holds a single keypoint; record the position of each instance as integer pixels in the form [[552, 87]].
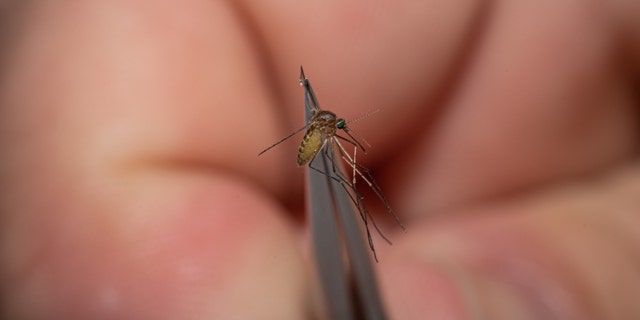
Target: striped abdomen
[[310, 145]]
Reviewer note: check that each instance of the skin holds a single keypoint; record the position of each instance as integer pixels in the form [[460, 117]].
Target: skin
[[507, 142]]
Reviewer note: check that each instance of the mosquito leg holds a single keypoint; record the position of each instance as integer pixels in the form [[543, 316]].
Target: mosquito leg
[[339, 176], [355, 150], [376, 188], [320, 171], [283, 139], [358, 201], [352, 141], [363, 209], [364, 214], [373, 185]]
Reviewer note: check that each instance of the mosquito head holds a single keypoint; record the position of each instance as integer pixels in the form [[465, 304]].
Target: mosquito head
[[341, 124]]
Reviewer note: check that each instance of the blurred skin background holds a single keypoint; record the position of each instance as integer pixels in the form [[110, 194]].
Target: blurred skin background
[[130, 185]]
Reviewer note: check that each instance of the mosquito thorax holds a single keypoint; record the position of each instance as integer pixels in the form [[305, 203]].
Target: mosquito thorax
[[325, 121], [324, 115]]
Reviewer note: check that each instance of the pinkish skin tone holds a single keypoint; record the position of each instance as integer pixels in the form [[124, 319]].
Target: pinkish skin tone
[[130, 186]]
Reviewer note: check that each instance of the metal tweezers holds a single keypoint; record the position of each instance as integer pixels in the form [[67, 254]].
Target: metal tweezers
[[348, 282]]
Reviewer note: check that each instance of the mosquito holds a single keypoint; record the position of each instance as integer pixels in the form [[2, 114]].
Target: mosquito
[[322, 134]]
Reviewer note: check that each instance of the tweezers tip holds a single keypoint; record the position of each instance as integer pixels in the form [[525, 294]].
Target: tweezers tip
[[303, 78]]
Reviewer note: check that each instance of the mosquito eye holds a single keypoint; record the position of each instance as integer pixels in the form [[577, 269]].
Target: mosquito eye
[[340, 124]]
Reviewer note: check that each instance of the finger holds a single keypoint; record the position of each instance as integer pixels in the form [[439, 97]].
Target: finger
[[363, 56], [125, 166], [565, 253], [570, 253], [529, 112]]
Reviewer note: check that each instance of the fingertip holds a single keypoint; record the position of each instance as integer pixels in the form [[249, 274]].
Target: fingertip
[[418, 289]]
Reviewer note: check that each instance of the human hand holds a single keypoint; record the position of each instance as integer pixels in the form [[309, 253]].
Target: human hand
[[131, 187]]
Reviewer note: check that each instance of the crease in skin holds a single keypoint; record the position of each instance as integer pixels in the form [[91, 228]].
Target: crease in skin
[[524, 249], [598, 138], [195, 165], [605, 215], [501, 287], [598, 219], [184, 166], [465, 285], [141, 237]]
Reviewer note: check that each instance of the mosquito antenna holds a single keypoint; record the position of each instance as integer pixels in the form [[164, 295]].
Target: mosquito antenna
[[349, 130], [282, 140], [365, 115]]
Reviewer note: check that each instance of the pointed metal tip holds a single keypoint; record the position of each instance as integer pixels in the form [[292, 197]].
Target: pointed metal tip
[[302, 76]]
